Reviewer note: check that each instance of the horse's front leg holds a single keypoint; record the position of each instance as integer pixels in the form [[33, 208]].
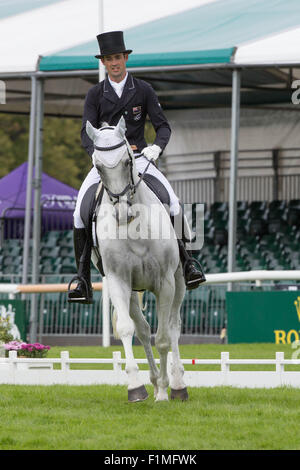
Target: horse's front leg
[[143, 333], [120, 293]]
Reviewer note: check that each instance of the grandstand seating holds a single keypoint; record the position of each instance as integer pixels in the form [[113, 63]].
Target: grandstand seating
[[268, 237]]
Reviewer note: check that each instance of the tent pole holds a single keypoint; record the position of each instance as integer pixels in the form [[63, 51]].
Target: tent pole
[[27, 226], [235, 124], [101, 30], [105, 295], [37, 207]]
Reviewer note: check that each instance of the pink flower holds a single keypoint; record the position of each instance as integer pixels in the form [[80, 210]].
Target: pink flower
[[13, 346], [29, 349]]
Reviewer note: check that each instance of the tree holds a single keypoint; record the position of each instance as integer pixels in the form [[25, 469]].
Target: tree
[[63, 156]]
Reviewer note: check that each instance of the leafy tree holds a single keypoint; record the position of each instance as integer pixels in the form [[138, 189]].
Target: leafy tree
[[63, 156]]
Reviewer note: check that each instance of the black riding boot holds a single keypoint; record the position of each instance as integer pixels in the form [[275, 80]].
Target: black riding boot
[[192, 269], [83, 293]]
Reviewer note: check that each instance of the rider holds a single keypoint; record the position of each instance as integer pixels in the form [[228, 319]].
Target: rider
[[120, 94]]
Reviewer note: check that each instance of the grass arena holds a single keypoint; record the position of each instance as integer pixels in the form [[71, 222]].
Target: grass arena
[[183, 333], [99, 417]]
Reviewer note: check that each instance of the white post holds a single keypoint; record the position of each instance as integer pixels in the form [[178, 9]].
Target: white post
[[279, 365], [105, 314], [65, 366], [12, 365], [224, 366]]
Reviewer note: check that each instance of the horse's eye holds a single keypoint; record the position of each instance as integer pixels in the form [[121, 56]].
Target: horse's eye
[[127, 162]]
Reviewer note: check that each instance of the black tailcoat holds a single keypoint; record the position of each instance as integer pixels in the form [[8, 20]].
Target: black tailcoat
[[138, 99]]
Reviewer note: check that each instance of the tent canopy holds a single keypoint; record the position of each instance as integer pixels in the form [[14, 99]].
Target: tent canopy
[[33, 28], [187, 57], [56, 197], [224, 31]]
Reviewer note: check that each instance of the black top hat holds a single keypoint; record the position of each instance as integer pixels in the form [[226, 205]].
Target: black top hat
[[111, 43]]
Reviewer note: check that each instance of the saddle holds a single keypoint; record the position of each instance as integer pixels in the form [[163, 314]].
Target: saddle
[[90, 206]]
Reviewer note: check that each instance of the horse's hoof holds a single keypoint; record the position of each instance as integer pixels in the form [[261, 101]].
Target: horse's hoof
[[182, 394], [162, 395], [161, 398], [137, 394]]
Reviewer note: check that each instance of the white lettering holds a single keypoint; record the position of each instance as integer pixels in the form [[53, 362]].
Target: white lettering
[[115, 460], [295, 99], [166, 460]]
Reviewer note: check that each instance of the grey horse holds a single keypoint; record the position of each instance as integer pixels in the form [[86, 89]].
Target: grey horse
[[139, 252]]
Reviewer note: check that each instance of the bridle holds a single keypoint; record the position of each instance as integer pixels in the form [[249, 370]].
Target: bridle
[[131, 187]]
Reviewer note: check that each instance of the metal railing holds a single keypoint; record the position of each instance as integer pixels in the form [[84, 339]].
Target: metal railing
[[203, 311]]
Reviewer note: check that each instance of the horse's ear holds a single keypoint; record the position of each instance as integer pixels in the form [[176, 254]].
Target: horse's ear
[[90, 130], [121, 127]]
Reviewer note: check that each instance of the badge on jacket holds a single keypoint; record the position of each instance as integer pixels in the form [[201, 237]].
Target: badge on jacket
[[137, 112]]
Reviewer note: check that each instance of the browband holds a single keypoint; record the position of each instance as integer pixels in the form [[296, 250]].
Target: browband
[[104, 149]]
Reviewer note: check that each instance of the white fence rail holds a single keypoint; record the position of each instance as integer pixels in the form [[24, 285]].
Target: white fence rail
[[25, 371]]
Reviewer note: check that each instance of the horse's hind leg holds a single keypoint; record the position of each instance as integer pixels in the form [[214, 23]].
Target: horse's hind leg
[[178, 387], [162, 339], [120, 294], [143, 333]]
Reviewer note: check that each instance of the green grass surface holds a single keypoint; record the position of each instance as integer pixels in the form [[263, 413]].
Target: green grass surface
[[99, 417]]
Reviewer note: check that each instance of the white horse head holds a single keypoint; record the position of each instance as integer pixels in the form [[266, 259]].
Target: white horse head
[[106, 138], [112, 151], [114, 160]]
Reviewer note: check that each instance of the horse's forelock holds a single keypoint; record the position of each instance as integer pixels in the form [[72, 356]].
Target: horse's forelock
[[108, 136], [104, 124]]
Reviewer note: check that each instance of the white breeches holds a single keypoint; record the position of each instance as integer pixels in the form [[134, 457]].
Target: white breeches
[[141, 163]]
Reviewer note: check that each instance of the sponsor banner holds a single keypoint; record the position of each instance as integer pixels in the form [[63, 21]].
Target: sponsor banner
[[263, 317]]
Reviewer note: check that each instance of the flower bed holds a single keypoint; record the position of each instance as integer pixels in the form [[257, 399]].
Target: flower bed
[[33, 350]]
